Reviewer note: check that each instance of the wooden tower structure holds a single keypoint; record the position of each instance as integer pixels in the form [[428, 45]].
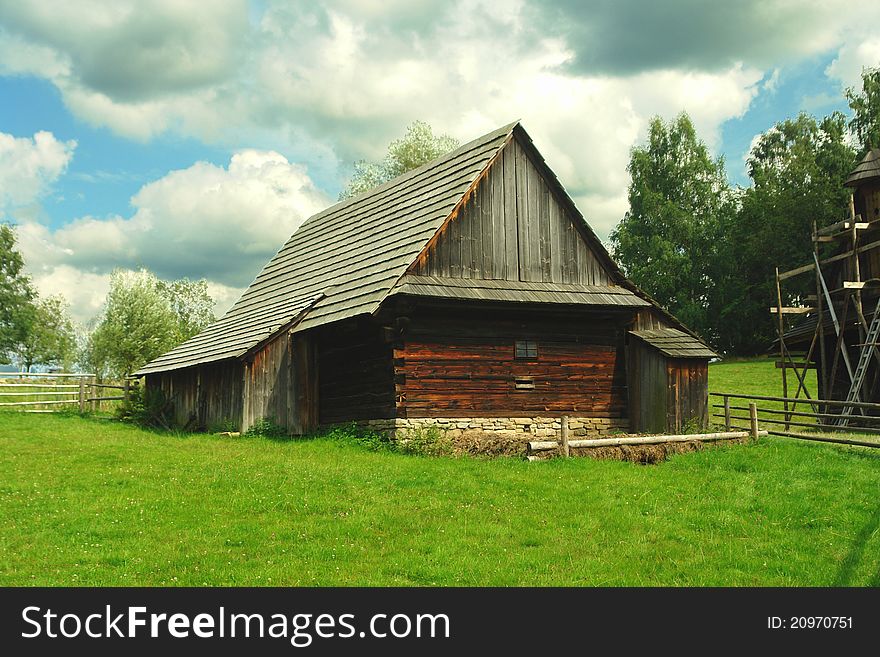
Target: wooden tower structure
[[837, 330]]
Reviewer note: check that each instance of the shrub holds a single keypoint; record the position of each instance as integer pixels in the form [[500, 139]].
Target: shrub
[[267, 428]]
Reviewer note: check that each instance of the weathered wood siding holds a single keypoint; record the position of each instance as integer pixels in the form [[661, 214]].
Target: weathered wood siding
[[280, 384], [448, 367], [204, 396], [687, 397], [356, 376], [666, 394], [513, 227], [647, 379], [267, 384]]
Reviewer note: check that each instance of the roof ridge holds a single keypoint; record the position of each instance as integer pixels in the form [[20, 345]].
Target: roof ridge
[[412, 173]]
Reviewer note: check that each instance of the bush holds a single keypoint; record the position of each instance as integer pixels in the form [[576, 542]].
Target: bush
[[267, 428], [147, 407]]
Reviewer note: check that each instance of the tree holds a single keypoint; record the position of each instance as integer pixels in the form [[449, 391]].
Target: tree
[[16, 294], [47, 335], [798, 168], [414, 149], [866, 110], [668, 240], [143, 318], [192, 304]]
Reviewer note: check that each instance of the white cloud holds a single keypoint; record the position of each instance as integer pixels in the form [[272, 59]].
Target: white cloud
[[29, 166], [205, 221], [336, 82], [852, 58]]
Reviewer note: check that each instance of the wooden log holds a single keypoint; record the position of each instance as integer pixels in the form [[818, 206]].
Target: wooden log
[[825, 439], [543, 445], [93, 400], [781, 363], [831, 402], [39, 403], [566, 451], [753, 419], [38, 393], [29, 375], [39, 385]]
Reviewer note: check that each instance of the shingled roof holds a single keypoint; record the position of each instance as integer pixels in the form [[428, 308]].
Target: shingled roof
[[674, 343], [868, 168], [345, 260]]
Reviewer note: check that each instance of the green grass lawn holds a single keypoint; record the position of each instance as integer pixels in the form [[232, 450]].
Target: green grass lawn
[[95, 502]]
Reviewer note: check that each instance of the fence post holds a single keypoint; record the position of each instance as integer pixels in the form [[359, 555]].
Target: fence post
[[94, 394], [726, 413], [564, 431], [753, 419], [125, 389], [82, 394]]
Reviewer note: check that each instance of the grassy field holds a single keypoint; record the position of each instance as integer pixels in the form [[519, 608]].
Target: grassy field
[[95, 502]]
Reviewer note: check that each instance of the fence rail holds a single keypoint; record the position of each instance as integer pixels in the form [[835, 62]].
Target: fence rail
[[822, 420], [31, 389]]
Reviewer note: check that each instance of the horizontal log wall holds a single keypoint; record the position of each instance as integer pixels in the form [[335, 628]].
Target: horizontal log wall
[[449, 368]]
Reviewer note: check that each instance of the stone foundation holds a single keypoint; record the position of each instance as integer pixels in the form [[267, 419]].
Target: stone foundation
[[538, 427]]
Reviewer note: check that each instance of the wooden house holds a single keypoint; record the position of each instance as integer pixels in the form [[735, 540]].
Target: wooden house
[[468, 293]]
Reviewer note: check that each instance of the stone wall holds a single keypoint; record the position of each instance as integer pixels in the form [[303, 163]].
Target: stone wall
[[538, 427]]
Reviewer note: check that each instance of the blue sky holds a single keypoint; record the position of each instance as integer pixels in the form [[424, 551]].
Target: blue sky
[[194, 142]]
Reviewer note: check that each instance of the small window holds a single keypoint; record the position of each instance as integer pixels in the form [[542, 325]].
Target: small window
[[526, 350], [524, 383]]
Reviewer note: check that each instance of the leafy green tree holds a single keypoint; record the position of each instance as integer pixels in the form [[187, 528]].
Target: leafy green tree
[[667, 242], [798, 168], [192, 304], [47, 335], [865, 105], [16, 294], [419, 146], [143, 318]]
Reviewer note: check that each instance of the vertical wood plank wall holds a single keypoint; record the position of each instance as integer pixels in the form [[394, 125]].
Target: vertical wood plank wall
[[267, 383], [647, 388], [205, 396], [448, 368], [665, 394], [513, 227], [687, 401]]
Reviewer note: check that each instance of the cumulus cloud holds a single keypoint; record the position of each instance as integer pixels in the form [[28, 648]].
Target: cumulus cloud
[[29, 166], [219, 223], [852, 59], [332, 82]]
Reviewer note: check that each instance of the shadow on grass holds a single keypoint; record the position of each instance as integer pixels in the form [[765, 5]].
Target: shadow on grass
[[856, 552]]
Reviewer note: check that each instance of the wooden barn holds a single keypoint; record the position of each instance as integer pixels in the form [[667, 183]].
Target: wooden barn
[[469, 293]]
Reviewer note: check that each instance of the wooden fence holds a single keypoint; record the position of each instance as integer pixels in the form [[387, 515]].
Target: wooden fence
[[37, 392], [863, 418], [567, 444]]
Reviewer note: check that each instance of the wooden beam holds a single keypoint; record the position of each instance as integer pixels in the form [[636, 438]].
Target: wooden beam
[[809, 366], [794, 272], [792, 310], [853, 285], [543, 445], [840, 256]]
